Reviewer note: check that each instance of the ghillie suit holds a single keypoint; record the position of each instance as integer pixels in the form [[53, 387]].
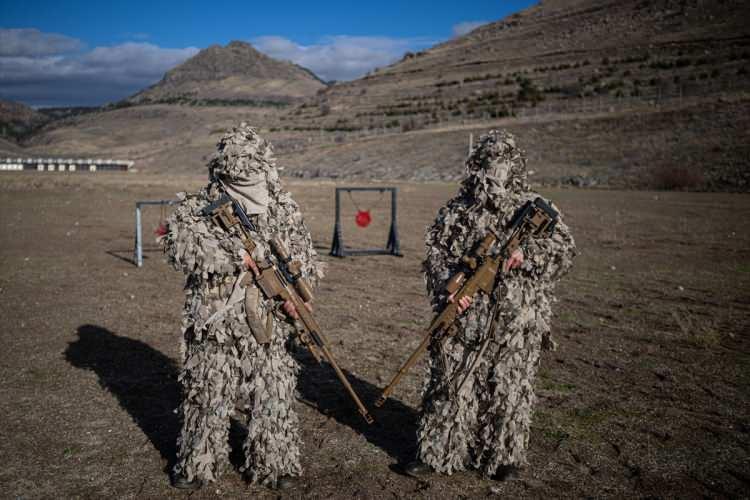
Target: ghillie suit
[[486, 425], [224, 366]]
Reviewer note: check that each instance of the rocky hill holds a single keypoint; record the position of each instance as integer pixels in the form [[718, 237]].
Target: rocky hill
[[18, 120], [236, 74]]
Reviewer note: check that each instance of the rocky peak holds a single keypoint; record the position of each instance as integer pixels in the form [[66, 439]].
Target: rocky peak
[[236, 71]]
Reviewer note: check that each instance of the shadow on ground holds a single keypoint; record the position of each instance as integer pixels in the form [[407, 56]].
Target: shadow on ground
[[395, 427], [129, 256], [144, 381]]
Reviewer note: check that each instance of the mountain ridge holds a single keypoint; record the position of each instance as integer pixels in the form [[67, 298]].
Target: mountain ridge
[[235, 72]]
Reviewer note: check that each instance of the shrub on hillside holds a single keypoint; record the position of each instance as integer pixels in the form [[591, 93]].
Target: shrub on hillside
[[529, 92], [410, 124], [677, 178]]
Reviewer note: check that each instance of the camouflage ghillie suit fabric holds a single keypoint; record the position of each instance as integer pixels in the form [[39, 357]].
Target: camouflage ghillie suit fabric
[[224, 367], [487, 424]]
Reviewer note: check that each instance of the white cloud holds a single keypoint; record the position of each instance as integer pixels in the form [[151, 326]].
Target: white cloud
[[54, 78], [341, 57], [135, 61], [465, 27], [30, 42], [47, 69]]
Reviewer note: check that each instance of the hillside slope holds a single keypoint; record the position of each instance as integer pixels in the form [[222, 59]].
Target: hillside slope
[[627, 93], [664, 71], [554, 53], [653, 148], [158, 137]]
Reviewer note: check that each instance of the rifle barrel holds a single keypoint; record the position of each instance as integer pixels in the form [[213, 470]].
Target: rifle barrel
[[405, 368], [316, 335]]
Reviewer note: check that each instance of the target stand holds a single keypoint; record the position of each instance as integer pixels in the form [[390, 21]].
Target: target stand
[[392, 247], [138, 251]]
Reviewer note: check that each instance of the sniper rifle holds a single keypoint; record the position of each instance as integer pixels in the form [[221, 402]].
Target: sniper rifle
[[533, 219], [284, 282]]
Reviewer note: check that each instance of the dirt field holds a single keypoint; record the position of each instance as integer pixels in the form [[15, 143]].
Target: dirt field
[[646, 396]]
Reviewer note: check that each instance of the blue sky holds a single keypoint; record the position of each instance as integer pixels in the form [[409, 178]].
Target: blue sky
[[88, 53]]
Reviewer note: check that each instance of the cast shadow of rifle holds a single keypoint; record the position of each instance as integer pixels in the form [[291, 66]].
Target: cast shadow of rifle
[[144, 381], [395, 427]]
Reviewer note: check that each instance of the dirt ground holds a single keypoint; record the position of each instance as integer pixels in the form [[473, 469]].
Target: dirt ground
[[646, 396]]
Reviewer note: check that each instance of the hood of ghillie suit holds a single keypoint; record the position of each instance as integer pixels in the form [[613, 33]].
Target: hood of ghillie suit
[[496, 173], [244, 163], [494, 188]]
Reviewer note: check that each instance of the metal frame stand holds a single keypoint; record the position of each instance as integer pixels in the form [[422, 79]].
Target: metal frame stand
[[392, 247], [138, 252]]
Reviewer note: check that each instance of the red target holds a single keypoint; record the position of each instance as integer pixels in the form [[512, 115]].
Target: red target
[[161, 230], [363, 218]]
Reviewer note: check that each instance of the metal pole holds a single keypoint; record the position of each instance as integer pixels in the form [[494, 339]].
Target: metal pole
[[337, 246], [138, 238], [393, 244]]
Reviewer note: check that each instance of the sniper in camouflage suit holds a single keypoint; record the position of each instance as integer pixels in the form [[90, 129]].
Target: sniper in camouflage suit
[[486, 425], [224, 367]]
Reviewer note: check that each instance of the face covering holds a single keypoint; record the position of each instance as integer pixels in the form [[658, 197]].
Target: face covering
[[497, 179], [250, 192]]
